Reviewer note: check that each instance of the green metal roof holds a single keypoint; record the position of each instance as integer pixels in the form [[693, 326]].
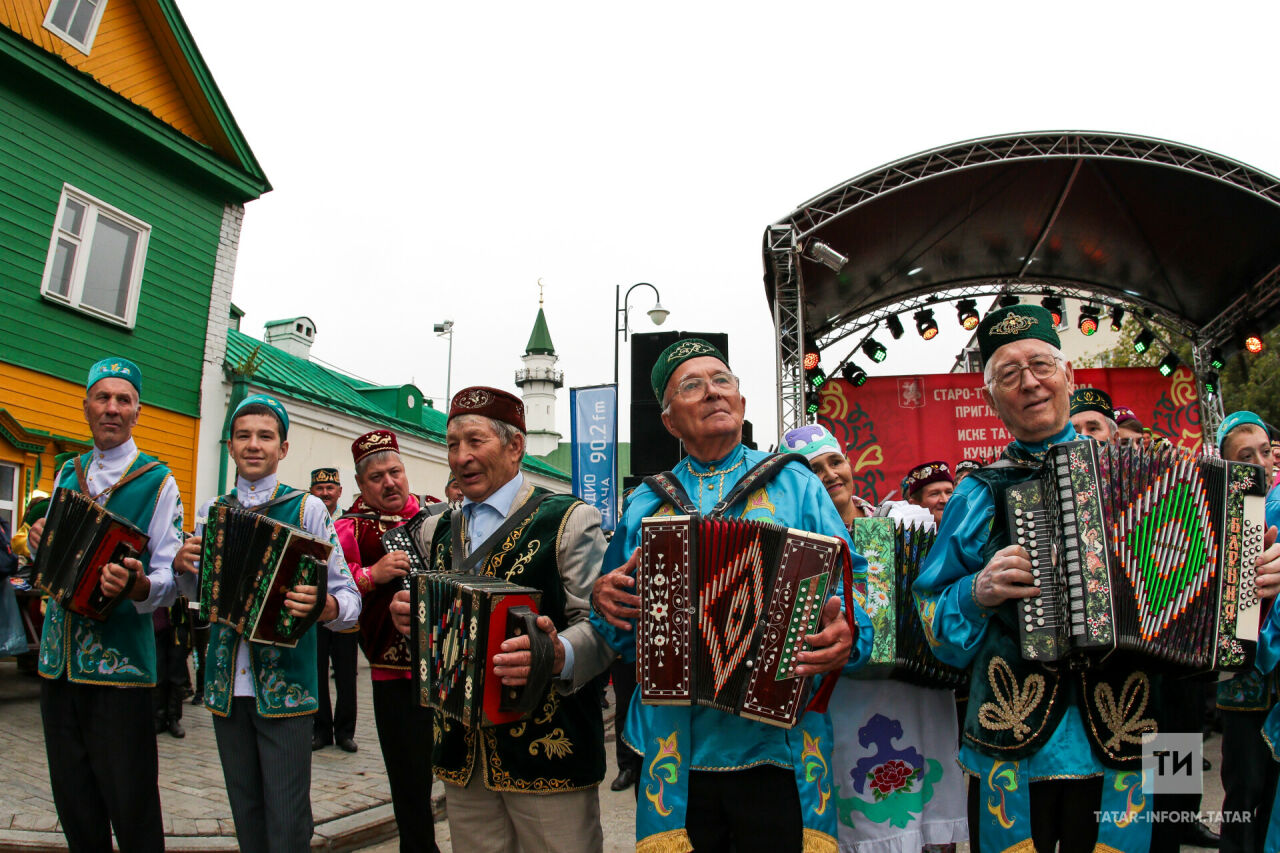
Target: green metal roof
[[540, 339], [302, 379]]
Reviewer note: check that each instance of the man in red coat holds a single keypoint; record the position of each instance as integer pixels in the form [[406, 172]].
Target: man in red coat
[[404, 728]]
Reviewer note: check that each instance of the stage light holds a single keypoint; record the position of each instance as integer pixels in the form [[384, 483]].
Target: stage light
[[827, 256], [1117, 318], [874, 350], [926, 325], [1253, 342], [854, 375], [816, 378], [1216, 359], [812, 408], [1008, 300], [967, 314], [1169, 364], [895, 326], [1088, 322], [811, 359], [1053, 305], [1143, 341], [1211, 383]]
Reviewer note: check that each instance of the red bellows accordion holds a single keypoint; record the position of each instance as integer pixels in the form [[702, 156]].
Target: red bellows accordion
[[80, 539], [724, 609], [458, 624]]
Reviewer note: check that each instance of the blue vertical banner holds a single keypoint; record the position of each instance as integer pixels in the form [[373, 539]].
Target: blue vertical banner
[[595, 449]]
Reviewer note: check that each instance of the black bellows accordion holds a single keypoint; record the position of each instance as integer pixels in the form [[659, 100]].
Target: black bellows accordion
[[80, 538], [724, 609], [900, 647], [458, 624], [1147, 550], [248, 564]]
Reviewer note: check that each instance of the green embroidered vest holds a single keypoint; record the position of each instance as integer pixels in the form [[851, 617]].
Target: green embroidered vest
[[1016, 705], [561, 746], [122, 650], [284, 679]]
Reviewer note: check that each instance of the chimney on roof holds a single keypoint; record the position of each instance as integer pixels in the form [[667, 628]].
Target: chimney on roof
[[294, 335]]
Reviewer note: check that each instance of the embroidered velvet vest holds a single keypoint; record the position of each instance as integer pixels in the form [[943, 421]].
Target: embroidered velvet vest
[[383, 645], [561, 746], [1015, 705], [122, 650], [284, 679]]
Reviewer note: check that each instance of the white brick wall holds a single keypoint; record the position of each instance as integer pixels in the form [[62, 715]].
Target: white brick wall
[[213, 390]]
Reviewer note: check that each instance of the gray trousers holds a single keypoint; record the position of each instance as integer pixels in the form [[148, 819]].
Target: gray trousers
[[266, 762]]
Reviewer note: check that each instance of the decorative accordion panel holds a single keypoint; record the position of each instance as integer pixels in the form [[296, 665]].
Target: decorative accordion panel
[[459, 623], [249, 564], [725, 606], [1147, 550], [900, 648], [80, 539]]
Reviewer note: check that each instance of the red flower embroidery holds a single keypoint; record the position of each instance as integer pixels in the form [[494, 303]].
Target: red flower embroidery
[[891, 776]]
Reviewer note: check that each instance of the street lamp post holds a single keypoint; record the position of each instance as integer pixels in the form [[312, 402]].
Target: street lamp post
[[621, 315], [445, 330]]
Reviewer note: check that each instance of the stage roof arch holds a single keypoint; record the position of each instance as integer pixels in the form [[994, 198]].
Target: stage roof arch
[[1187, 237]]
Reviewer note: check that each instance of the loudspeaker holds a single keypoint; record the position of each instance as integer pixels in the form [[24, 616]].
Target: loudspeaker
[[653, 449]]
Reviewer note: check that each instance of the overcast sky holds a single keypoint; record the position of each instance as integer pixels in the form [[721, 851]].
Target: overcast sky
[[432, 161]]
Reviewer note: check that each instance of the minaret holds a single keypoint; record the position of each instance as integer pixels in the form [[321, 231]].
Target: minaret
[[538, 381]]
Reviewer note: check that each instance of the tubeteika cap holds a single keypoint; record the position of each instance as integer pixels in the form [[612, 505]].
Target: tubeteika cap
[[115, 368], [489, 402], [924, 474], [677, 354], [276, 407], [1092, 400], [373, 442], [1015, 323], [325, 475], [811, 440], [1235, 420]]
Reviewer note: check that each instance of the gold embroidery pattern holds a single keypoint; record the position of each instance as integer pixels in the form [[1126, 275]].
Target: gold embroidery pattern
[[501, 780], [555, 744], [760, 500], [549, 708], [523, 559], [1124, 718], [1014, 702], [494, 563], [516, 731], [1013, 324]]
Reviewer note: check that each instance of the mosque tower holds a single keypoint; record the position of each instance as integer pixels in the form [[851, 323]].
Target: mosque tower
[[538, 381]]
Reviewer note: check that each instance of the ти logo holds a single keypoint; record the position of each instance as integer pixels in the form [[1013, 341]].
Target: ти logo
[[1173, 763]]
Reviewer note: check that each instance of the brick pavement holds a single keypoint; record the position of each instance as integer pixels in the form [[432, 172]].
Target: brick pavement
[[350, 799]]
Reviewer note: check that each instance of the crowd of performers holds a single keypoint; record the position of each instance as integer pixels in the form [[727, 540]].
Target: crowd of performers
[[1030, 761]]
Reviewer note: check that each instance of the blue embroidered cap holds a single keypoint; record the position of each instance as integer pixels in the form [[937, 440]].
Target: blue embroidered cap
[[1238, 419], [271, 403], [810, 440], [115, 368]]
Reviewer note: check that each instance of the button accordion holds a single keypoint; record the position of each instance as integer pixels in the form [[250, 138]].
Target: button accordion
[[459, 622], [80, 539], [249, 562], [724, 609], [1147, 550], [900, 648]]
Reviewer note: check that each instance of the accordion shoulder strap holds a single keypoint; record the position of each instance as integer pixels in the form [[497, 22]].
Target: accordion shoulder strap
[[472, 563], [132, 475], [234, 502], [666, 485]]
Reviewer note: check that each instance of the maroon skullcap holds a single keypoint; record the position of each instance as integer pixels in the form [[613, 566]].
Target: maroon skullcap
[[930, 472], [373, 442], [490, 403]]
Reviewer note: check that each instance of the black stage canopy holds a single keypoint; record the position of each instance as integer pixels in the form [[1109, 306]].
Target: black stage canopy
[[1188, 235]]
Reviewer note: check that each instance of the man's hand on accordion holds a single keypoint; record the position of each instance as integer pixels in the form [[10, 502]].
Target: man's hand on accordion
[[389, 567], [1007, 576], [116, 578], [1268, 581], [513, 663], [612, 595], [299, 601], [400, 609], [829, 649], [187, 560]]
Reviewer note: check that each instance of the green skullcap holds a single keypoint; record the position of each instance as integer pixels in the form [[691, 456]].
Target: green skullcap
[[276, 407], [1015, 323], [1092, 400], [676, 355], [115, 368]]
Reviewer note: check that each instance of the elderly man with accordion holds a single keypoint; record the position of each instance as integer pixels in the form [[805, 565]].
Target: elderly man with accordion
[[1064, 574]]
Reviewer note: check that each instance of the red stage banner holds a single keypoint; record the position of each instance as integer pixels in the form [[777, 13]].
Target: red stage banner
[[893, 423]]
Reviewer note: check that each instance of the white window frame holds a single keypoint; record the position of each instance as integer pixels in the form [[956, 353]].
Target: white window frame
[[94, 209], [10, 506], [90, 34]]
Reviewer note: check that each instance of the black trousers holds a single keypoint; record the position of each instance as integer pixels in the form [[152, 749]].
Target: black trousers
[[1182, 711], [404, 734], [171, 677], [1249, 774], [101, 746], [624, 684], [745, 811], [338, 721], [1062, 813]]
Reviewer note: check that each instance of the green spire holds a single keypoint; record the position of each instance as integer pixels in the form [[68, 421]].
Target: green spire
[[540, 338]]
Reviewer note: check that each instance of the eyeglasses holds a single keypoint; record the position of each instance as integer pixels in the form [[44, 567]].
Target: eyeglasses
[[695, 386], [1009, 377]]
